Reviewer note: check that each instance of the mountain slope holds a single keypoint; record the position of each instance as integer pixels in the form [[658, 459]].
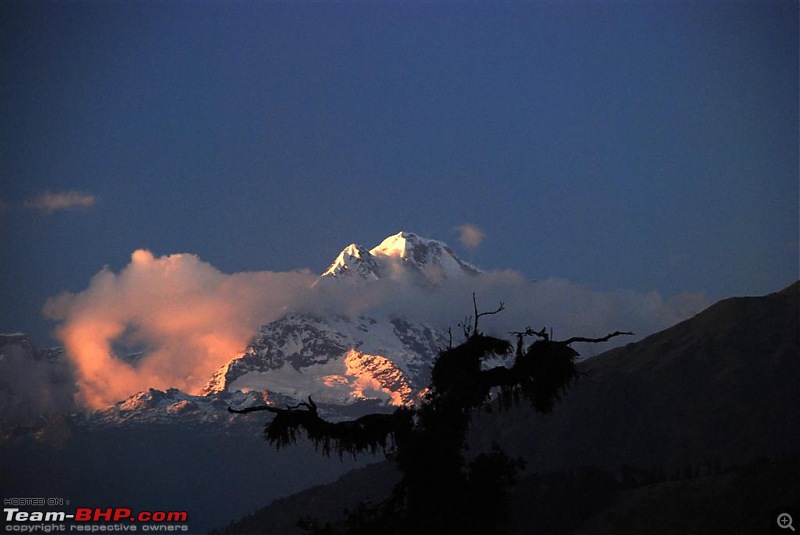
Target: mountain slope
[[742, 501], [724, 385]]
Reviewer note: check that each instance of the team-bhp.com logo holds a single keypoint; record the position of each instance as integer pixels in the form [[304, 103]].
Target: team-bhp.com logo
[[93, 519], [86, 514]]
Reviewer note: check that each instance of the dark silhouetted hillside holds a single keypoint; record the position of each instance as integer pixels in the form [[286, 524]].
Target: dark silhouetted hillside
[[722, 387], [742, 501]]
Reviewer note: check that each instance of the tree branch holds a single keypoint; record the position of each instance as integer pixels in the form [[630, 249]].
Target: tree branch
[[311, 406], [478, 315], [269, 408], [605, 338], [530, 332]]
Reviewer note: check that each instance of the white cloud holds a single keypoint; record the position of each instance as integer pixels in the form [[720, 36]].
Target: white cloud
[[49, 202]]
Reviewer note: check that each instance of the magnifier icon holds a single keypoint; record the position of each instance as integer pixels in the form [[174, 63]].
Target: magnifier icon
[[785, 521]]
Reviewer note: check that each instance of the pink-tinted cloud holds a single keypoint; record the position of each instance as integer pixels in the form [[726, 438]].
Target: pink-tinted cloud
[[188, 317]]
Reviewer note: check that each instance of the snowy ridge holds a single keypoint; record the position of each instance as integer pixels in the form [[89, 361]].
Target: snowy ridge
[[173, 406], [159, 406]]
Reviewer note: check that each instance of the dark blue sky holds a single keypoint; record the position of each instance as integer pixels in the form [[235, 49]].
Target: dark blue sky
[[644, 146]]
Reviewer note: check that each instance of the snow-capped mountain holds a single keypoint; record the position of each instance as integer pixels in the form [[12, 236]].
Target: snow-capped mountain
[[341, 360], [402, 251]]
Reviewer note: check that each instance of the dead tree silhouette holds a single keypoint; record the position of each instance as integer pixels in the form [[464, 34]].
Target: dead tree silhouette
[[439, 492]]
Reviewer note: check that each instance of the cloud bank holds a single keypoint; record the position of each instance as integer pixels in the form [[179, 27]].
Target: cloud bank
[[49, 202], [558, 304], [189, 319]]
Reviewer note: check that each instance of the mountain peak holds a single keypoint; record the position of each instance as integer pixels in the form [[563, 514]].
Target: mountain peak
[[404, 248], [423, 253], [353, 259], [400, 245]]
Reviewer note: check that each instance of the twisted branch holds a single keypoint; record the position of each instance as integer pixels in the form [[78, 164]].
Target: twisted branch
[[605, 338], [311, 406]]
